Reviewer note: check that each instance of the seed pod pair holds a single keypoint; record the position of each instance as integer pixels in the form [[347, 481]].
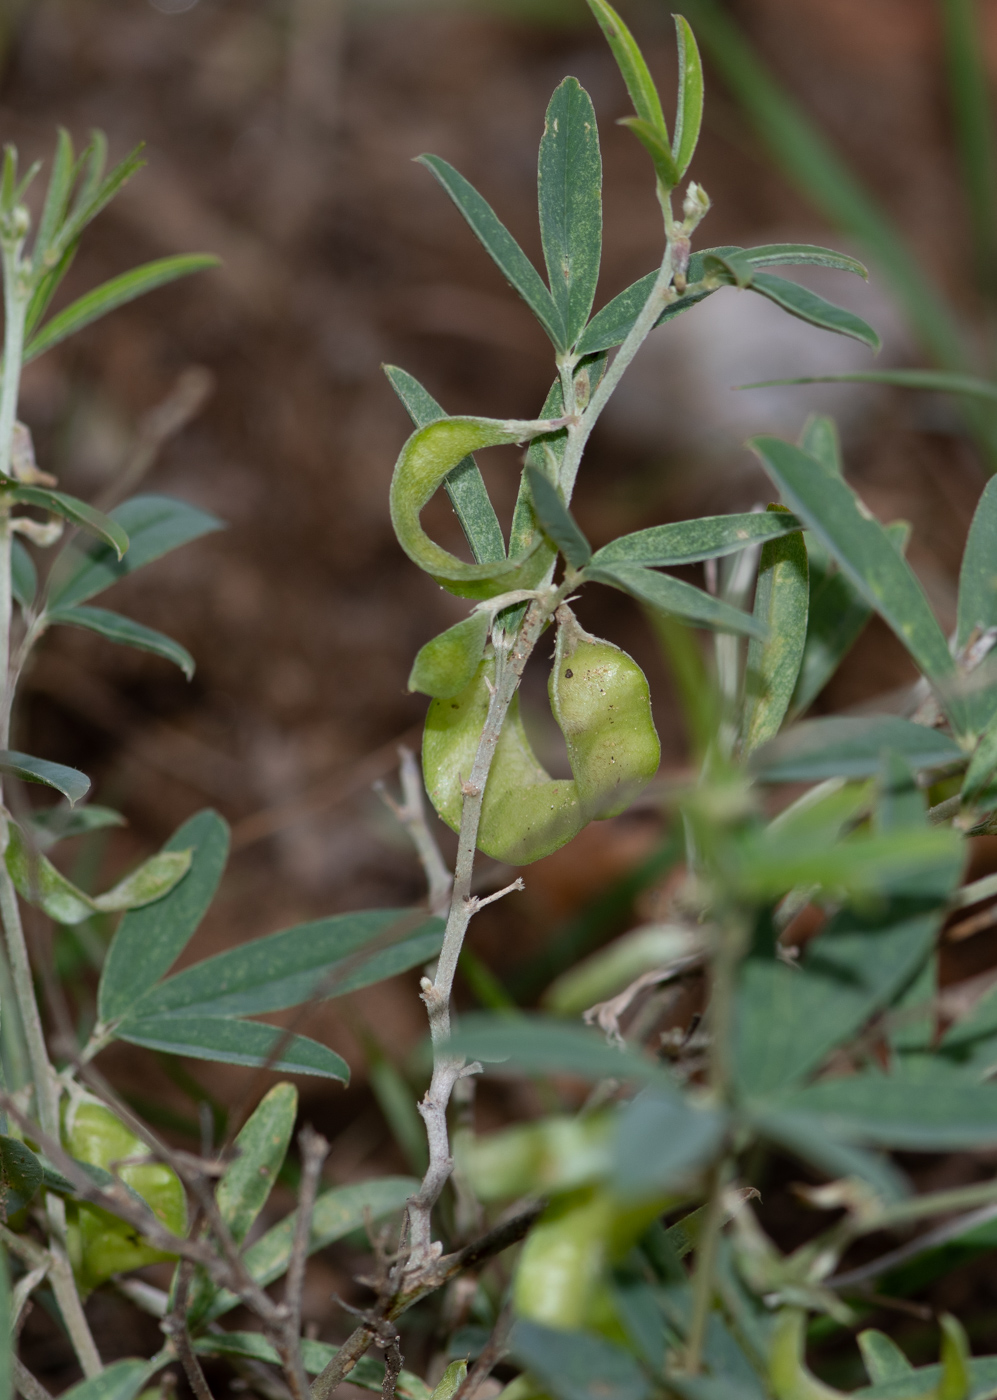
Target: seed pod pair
[[100, 1244], [600, 699]]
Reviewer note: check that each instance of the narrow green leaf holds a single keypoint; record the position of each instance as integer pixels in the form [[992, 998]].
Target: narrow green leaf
[[789, 1019], [54, 824], [558, 523], [57, 195], [735, 269], [546, 1045], [674, 596], [689, 114], [499, 243], [851, 747], [782, 596], [153, 879], [862, 548], [943, 381], [148, 941], [451, 1381], [46, 288], [883, 1359], [73, 784], [690, 541], [820, 440], [447, 663], [20, 1176], [232, 1042], [577, 1365], [900, 805], [970, 103], [655, 142], [931, 1115], [78, 512], [116, 628], [978, 575], [808, 1138], [808, 306], [803, 255], [110, 295], [337, 1213], [121, 1380], [327, 958], [630, 61], [154, 526], [569, 187], [260, 1149], [96, 193], [23, 574], [368, 1373], [464, 485]]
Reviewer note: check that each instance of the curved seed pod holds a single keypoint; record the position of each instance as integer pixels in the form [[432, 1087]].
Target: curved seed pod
[[427, 457], [526, 813], [600, 699], [563, 1258], [446, 665], [100, 1244]]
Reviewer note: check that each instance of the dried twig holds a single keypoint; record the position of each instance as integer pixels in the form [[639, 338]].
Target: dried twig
[[175, 1327], [314, 1150], [490, 1355], [25, 1383], [411, 813]]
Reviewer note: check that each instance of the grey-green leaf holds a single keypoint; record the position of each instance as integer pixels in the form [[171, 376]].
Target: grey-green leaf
[[806, 1136], [782, 596], [851, 747], [674, 596], [327, 958], [20, 1176], [73, 784], [77, 512], [883, 1359], [558, 523], [233, 1042], [499, 243], [116, 628], [110, 295], [691, 541], [929, 1115], [54, 824], [661, 1138], [547, 1045], [820, 440], [689, 111], [982, 765], [122, 1380], [464, 485], [23, 574], [862, 548], [337, 1213], [447, 663], [569, 187], [148, 941], [808, 306], [978, 575], [260, 1149], [577, 1365], [154, 526]]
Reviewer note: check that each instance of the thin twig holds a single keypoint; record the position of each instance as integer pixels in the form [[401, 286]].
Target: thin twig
[[314, 1150], [175, 1327], [25, 1383], [411, 813], [489, 1356], [942, 1234]]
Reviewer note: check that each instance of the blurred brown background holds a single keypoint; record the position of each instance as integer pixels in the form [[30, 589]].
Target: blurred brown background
[[280, 136]]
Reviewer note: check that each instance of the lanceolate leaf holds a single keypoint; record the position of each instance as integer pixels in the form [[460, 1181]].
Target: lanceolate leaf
[[464, 484], [820, 440], [113, 294], [689, 114], [545, 1045], [148, 941], [54, 824], [337, 1214], [978, 575], [930, 1115], [60, 186], [942, 381], [502, 247], [116, 628], [630, 61], [154, 525], [809, 1138], [674, 596], [122, 1380], [73, 784], [20, 1176], [690, 541], [558, 523], [781, 602], [808, 306], [852, 747], [322, 959], [655, 142], [73, 510], [570, 194], [233, 1042], [862, 548]]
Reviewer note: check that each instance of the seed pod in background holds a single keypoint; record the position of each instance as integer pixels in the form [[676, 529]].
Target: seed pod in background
[[446, 665], [100, 1244], [600, 699], [563, 1258]]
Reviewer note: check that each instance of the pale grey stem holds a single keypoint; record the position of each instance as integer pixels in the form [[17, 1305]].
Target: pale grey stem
[[25, 1383], [411, 813], [511, 659], [314, 1150]]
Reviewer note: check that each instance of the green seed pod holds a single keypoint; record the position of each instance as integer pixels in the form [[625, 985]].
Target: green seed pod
[[446, 665], [600, 699], [562, 1261], [100, 1244]]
